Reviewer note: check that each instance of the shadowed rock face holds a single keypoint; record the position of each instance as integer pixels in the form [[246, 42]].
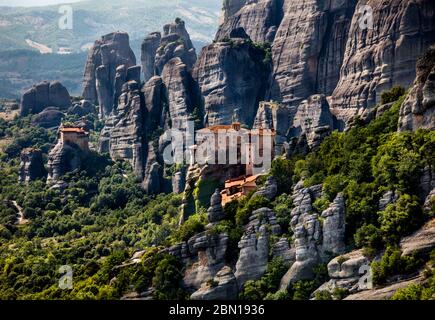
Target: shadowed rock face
[[43, 95], [31, 166], [148, 54], [127, 134], [377, 59], [260, 19], [314, 120], [418, 110], [107, 54], [232, 77]]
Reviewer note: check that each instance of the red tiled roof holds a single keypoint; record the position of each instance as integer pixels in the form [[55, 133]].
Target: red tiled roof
[[75, 129]]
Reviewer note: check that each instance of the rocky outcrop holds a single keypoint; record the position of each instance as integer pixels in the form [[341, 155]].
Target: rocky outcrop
[[31, 166], [254, 246], [108, 53], [308, 49], [272, 115], [314, 242], [232, 77], [50, 118], [259, 18], [314, 120], [334, 226], [153, 172], [181, 92], [418, 110], [346, 272], [63, 158], [223, 287], [421, 243], [204, 257], [379, 58], [43, 95], [215, 213], [148, 54], [386, 292], [269, 190], [158, 49], [389, 197], [282, 249], [127, 134], [175, 43], [155, 99], [81, 109]]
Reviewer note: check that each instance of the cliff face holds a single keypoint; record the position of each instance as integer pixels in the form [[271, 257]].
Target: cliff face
[[308, 49], [127, 135], [107, 54], [377, 59], [63, 158], [319, 61], [232, 77], [418, 110], [259, 18], [158, 49]]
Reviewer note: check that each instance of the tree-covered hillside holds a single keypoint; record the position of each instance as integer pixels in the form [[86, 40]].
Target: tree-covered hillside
[[103, 216]]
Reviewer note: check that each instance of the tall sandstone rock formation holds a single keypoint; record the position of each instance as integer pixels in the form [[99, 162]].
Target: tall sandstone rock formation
[[377, 59], [329, 47], [106, 56], [418, 110], [303, 68], [232, 77]]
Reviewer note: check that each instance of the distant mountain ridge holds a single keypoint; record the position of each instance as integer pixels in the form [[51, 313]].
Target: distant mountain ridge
[[92, 19], [25, 30]]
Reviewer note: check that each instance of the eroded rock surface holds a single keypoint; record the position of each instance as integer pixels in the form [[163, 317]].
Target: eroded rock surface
[[376, 59], [31, 166], [43, 95], [418, 110], [106, 56]]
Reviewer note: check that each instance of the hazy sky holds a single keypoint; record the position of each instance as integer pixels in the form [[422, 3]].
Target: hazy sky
[[33, 3]]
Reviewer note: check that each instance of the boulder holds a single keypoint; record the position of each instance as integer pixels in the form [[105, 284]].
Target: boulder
[[50, 118], [346, 272]]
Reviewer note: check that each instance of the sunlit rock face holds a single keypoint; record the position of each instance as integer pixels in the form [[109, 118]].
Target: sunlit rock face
[[108, 53]]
